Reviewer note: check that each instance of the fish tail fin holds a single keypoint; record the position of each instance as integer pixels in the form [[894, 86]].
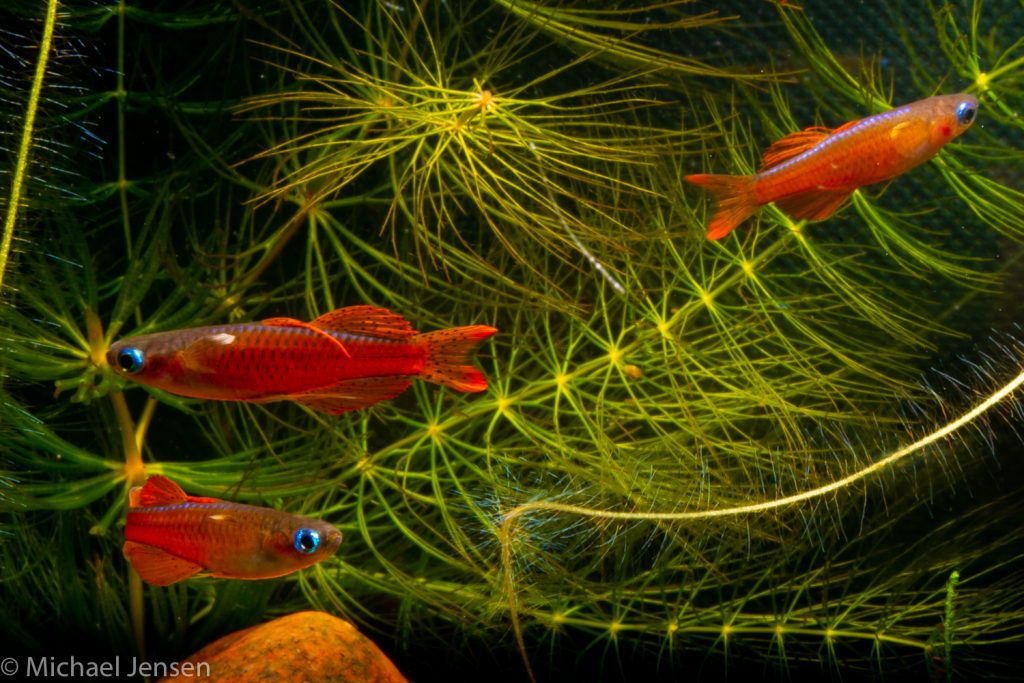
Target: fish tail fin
[[734, 195], [448, 354]]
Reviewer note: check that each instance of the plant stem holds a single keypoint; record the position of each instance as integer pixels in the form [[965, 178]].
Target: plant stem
[[947, 630], [21, 164]]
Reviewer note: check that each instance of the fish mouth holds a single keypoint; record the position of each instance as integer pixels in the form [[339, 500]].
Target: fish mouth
[[333, 540]]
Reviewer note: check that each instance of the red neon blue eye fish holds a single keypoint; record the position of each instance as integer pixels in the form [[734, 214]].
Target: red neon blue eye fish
[[347, 359], [170, 536], [811, 173]]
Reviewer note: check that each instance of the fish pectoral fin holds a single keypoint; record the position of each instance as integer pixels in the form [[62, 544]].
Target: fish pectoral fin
[[353, 394], [158, 567], [814, 205], [199, 355], [911, 138], [366, 320]]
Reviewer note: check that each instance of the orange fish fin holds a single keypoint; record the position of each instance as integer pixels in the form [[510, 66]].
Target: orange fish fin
[[814, 205], [448, 353], [292, 322], [734, 195], [792, 145], [158, 490], [366, 320], [200, 354], [912, 138], [795, 144], [158, 567], [353, 394]]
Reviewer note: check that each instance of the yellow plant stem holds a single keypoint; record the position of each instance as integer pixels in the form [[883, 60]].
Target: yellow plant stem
[[21, 164], [507, 526], [134, 475]]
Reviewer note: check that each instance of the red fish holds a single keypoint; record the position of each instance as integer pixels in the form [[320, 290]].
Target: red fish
[[347, 359], [171, 536], [811, 173]]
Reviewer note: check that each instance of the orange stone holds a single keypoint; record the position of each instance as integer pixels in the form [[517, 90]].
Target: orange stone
[[305, 646]]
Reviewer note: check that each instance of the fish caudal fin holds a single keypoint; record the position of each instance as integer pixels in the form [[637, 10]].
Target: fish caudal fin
[[448, 353], [734, 195]]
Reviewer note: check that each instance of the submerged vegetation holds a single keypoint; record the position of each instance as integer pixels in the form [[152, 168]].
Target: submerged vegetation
[[690, 451]]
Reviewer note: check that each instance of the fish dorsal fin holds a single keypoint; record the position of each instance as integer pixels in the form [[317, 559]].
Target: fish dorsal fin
[[312, 327], [158, 567], [367, 320], [159, 490], [797, 143]]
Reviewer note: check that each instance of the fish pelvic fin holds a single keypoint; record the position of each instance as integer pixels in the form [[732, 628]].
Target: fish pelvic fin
[[734, 197], [448, 356], [157, 566]]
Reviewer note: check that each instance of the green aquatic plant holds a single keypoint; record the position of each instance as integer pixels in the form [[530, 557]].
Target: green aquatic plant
[[702, 452], [430, 103]]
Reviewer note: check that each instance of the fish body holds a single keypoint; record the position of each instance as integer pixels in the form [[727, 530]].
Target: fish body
[[347, 359], [811, 173], [170, 536]]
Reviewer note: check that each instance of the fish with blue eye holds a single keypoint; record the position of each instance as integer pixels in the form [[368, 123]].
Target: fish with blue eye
[[346, 359], [171, 536]]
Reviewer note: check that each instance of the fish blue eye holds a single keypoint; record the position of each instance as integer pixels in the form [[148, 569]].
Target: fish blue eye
[[965, 112], [307, 541], [130, 360]]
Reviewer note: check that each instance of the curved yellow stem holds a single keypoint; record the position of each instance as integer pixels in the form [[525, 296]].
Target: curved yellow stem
[[506, 529], [21, 164]]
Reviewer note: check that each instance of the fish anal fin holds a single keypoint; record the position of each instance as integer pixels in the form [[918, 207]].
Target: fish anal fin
[[353, 394], [814, 205], [158, 490], [366, 320], [158, 567]]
